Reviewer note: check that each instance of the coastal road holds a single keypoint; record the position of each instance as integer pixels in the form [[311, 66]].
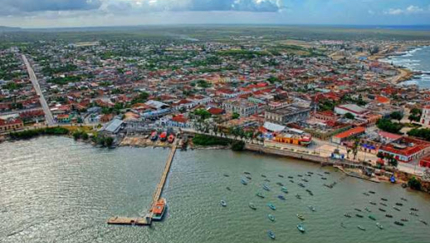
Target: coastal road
[[49, 118]]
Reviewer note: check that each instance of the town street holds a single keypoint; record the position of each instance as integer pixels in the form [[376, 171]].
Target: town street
[[49, 118]]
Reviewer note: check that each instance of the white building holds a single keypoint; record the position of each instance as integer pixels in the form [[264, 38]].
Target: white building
[[425, 117]]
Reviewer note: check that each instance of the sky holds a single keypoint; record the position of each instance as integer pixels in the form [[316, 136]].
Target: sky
[[86, 13]]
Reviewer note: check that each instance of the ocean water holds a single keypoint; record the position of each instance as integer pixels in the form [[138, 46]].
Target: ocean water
[[58, 190], [416, 60]]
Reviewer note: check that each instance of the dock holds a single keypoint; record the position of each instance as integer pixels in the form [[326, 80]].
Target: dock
[[147, 220]]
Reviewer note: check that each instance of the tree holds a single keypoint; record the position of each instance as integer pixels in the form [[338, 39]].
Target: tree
[[349, 116], [423, 133], [393, 162], [388, 126], [415, 115], [414, 183], [141, 98], [235, 115], [396, 116]]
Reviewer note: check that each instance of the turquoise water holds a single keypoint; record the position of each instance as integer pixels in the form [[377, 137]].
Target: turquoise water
[[56, 189]]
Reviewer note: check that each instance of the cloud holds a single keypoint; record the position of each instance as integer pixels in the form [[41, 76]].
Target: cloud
[[409, 10]]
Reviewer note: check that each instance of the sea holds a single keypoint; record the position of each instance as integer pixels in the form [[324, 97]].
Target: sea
[[55, 189], [417, 59]]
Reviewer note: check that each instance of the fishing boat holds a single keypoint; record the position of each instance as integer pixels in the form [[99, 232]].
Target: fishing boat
[[163, 136], [154, 136], [399, 204], [384, 199], [246, 173], [422, 221], [372, 217], [259, 194], [281, 176], [348, 215], [299, 175], [372, 192], [327, 173], [159, 209], [271, 234], [361, 228], [382, 210], [279, 184], [284, 189], [404, 220], [248, 177], [396, 208], [281, 197], [366, 194], [403, 199], [373, 203], [388, 215], [414, 209], [359, 215], [368, 210], [290, 177], [228, 188], [310, 172], [300, 217], [271, 217], [226, 175], [383, 204], [244, 182], [312, 208], [305, 180], [171, 138], [223, 203], [399, 223], [252, 206], [301, 228], [301, 184], [266, 188], [310, 192], [291, 181], [413, 214], [264, 176], [357, 209], [323, 178], [266, 180], [271, 206], [298, 196], [379, 226]]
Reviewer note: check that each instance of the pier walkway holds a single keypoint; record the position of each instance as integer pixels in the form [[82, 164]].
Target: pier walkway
[[147, 220]]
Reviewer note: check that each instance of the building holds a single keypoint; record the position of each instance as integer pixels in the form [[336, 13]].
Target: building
[[355, 110], [243, 107], [425, 117], [287, 115], [406, 149], [10, 125], [351, 133]]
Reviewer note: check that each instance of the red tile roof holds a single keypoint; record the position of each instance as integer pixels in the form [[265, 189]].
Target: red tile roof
[[351, 132]]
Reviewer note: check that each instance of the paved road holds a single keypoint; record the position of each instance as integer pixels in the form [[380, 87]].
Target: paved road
[[49, 118]]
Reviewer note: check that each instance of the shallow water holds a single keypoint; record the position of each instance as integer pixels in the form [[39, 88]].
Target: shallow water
[[56, 189]]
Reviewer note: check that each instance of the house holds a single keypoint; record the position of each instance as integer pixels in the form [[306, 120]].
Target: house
[[179, 121], [32, 116], [243, 107], [351, 133], [355, 110], [406, 149], [425, 117], [63, 118], [11, 125], [286, 115]]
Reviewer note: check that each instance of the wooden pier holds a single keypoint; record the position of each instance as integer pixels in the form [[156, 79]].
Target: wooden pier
[[147, 220]]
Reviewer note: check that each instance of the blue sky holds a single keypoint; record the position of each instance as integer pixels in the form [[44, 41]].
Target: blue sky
[[70, 13]]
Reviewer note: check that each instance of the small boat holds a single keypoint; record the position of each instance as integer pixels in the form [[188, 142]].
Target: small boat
[[271, 206], [259, 194], [388, 215], [279, 184], [281, 197], [291, 181], [171, 138], [301, 228], [154, 136], [305, 180], [372, 192], [343, 226], [403, 199], [368, 210], [248, 177], [348, 215], [271, 217], [271, 234], [290, 177], [413, 214], [159, 209], [246, 173], [399, 223], [323, 178], [361, 228], [310, 192], [226, 175], [300, 217], [228, 188], [264, 176], [372, 217], [244, 182], [310, 172], [298, 196], [266, 188], [266, 180], [312, 208], [252, 206], [357, 209], [382, 210], [404, 220], [284, 189], [399, 204], [301, 184], [373, 203], [383, 204], [359, 215], [299, 175], [379, 226], [414, 209], [281, 176], [327, 173], [384, 199], [396, 208], [366, 194], [422, 221], [223, 203]]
